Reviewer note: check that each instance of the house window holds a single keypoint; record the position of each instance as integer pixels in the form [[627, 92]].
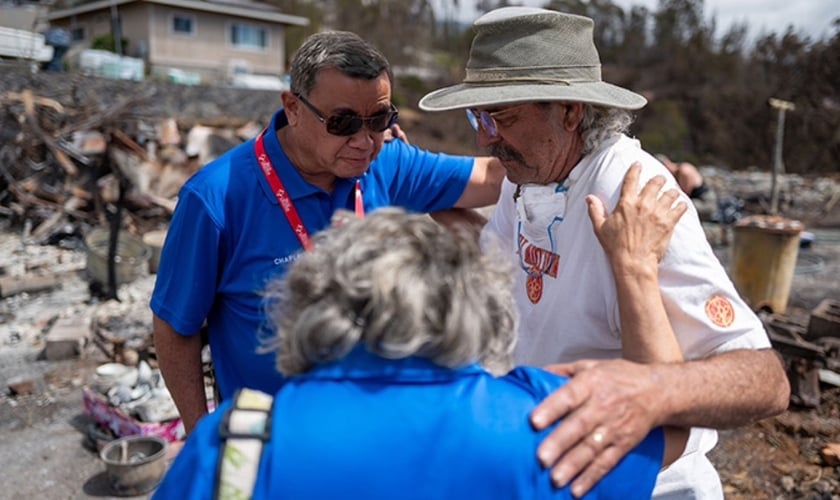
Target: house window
[[247, 36], [77, 34], [183, 25]]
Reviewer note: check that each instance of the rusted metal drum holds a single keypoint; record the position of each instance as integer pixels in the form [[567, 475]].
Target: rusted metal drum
[[764, 251]]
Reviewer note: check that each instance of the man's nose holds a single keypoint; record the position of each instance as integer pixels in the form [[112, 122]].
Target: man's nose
[[364, 137]]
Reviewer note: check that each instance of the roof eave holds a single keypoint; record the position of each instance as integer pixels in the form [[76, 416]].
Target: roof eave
[[187, 4]]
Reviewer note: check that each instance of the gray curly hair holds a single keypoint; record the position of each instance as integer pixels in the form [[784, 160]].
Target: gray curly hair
[[600, 123], [402, 285]]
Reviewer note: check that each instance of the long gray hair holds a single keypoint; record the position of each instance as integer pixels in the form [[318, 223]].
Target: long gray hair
[[600, 123], [400, 284], [342, 50]]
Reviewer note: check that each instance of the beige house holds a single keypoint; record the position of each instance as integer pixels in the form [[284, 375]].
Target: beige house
[[214, 39]]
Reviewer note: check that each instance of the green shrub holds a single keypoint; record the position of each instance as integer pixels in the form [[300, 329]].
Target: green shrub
[[107, 42], [665, 130]]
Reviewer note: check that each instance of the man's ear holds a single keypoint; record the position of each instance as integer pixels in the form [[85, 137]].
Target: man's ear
[[292, 106], [574, 115]]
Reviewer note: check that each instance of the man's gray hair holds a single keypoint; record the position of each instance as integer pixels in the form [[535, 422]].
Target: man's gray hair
[[342, 50], [600, 123], [402, 285]]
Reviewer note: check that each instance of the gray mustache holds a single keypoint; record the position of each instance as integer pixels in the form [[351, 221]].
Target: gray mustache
[[505, 153]]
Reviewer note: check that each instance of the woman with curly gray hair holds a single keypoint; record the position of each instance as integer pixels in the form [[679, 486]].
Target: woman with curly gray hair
[[402, 287], [390, 327]]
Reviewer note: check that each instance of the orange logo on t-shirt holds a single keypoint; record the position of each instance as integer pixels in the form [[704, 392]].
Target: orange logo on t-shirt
[[720, 310], [534, 286]]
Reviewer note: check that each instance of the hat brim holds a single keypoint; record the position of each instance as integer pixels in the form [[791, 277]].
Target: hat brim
[[476, 96]]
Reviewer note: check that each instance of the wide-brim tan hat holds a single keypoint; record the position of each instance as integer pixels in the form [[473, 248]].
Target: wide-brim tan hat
[[526, 54]]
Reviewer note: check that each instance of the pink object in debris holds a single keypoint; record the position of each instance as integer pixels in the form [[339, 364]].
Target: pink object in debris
[[122, 424]]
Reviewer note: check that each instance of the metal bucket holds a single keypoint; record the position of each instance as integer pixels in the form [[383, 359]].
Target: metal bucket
[[131, 260], [134, 464], [764, 251]]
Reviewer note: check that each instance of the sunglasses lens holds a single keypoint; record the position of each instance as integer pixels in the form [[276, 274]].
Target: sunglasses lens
[[344, 124], [484, 120], [383, 122], [378, 123], [488, 123], [471, 118], [350, 124]]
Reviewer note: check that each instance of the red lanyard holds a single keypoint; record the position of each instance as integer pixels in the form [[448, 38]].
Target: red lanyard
[[283, 198]]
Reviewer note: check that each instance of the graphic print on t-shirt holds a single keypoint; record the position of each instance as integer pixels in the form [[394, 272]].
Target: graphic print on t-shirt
[[539, 208], [720, 310], [536, 261]]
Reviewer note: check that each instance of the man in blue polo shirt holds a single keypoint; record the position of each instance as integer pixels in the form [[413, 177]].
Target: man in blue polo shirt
[[244, 217]]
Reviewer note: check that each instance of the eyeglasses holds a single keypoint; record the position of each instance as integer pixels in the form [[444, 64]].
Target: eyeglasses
[[487, 119], [345, 124]]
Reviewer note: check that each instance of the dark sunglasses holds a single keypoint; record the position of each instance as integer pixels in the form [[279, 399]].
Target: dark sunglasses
[[349, 123]]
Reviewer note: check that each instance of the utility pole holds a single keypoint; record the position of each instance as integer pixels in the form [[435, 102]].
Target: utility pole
[[778, 166], [116, 29]]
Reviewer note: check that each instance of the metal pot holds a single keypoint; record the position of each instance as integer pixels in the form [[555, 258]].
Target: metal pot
[[135, 464]]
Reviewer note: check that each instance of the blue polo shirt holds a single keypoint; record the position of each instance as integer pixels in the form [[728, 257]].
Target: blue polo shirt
[[228, 237], [367, 427]]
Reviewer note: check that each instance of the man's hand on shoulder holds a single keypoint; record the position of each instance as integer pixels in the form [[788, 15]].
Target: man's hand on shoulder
[[607, 408]]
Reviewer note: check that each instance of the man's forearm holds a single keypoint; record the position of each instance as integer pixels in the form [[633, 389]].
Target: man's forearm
[[646, 333], [484, 185], [726, 390], [179, 358]]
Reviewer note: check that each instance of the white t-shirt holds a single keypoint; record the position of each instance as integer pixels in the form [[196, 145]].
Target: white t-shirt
[[566, 293]]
